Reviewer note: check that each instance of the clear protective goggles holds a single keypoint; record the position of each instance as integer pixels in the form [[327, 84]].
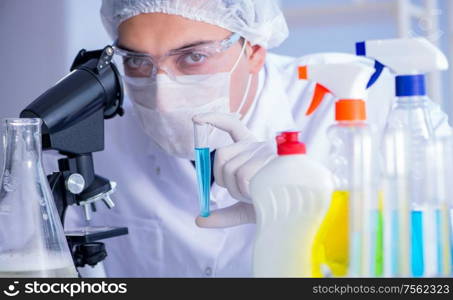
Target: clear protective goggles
[[203, 59]]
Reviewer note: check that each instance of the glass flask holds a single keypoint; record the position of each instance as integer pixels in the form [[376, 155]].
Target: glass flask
[[32, 240]]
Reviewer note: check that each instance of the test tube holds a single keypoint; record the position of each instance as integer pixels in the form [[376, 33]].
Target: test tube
[[203, 166]]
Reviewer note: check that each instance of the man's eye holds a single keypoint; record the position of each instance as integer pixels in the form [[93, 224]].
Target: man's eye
[[194, 58], [135, 62]]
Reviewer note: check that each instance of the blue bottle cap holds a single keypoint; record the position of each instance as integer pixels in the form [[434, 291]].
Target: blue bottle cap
[[360, 49], [410, 85]]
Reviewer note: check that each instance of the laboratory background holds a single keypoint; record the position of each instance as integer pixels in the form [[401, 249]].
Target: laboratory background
[[39, 39]]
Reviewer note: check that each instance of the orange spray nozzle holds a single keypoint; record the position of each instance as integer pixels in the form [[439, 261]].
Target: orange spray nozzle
[[318, 94]]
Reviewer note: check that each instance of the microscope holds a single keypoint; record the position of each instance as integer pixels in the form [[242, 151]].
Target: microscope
[[73, 113]]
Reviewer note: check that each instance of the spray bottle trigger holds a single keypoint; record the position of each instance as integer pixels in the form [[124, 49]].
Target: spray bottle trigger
[[318, 94]]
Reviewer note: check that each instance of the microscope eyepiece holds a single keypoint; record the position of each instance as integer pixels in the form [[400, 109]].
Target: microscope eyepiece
[[74, 109]]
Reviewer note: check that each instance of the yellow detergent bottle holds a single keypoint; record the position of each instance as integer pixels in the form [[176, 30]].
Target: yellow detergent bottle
[[345, 242], [330, 247]]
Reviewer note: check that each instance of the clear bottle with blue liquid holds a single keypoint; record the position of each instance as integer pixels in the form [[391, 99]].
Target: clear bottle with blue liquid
[[407, 138]]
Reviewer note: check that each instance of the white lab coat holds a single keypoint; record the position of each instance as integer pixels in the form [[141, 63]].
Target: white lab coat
[[157, 194]]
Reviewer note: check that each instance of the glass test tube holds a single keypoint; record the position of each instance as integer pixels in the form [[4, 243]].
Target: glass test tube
[[203, 166]]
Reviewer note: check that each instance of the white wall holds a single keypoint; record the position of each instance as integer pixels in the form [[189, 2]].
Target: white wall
[[38, 41], [32, 50], [84, 26]]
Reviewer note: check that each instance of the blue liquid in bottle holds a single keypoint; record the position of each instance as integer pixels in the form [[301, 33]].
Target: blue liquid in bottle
[[417, 243], [444, 242], [203, 166], [395, 250], [439, 245]]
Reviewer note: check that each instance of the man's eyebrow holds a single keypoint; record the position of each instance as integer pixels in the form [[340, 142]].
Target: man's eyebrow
[[183, 47], [193, 44], [128, 49]]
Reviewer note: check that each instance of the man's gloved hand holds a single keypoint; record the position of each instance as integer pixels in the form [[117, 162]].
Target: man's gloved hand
[[234, 167]]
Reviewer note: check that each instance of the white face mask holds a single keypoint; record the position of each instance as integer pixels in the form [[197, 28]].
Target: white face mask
[[166, 108]]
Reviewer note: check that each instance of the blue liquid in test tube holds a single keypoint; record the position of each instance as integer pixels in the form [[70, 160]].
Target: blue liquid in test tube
[[203, 167]]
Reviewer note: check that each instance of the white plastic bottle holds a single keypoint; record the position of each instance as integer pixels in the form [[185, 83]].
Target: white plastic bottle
[[291, 195]]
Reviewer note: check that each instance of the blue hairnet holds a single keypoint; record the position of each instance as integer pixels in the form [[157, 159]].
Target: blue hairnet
[[261, 22]]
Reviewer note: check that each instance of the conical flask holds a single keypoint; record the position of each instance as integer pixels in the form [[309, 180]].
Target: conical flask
[[32, 240]]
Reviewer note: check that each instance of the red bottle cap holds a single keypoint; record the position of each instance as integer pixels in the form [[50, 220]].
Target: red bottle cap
[[288, 143]]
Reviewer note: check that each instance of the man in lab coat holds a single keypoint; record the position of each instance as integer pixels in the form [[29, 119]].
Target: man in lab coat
[[203, 60]]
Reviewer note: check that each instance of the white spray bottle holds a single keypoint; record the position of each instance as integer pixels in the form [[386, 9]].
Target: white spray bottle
[[354, 206]]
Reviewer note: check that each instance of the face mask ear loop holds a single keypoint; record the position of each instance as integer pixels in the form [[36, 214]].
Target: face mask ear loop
[[249, 82], [239, 58], [246, 94]]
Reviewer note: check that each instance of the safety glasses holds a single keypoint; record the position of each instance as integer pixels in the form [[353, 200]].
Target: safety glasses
[[202, 59]]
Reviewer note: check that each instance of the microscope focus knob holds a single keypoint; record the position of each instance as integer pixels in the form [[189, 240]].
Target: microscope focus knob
[[75, 183]]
